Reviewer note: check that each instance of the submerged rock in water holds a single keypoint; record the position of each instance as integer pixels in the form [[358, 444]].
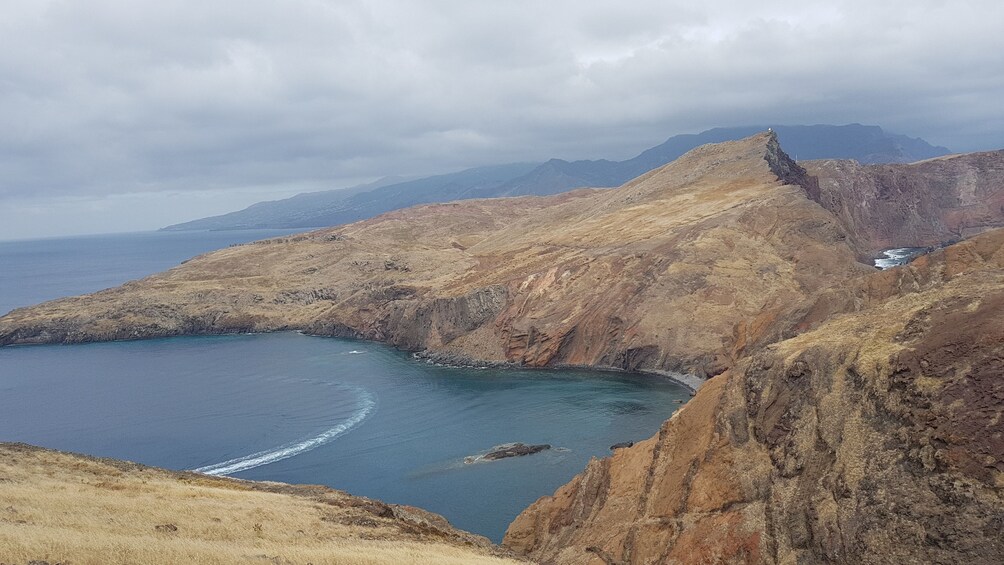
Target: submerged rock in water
[[515, 450], [507, 450]]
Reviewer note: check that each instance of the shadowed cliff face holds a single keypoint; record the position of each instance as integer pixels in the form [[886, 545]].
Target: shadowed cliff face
[[657, 274], [921, 204], [876, 438]]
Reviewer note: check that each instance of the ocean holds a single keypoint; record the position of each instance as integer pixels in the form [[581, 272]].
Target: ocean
[[357, 416]]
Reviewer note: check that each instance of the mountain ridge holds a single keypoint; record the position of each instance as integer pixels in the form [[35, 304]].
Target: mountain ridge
[[315, 209], [587, 277], [867, 144]]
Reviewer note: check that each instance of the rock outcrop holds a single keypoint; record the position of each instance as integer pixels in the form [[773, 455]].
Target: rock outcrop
[[507, 450], [877, 437], [670, 272], [921, 204]]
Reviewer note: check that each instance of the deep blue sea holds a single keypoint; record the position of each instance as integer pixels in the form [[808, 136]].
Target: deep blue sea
[[357, 416]]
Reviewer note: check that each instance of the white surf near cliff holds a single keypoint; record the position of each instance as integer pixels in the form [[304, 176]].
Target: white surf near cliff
[[898, 256]]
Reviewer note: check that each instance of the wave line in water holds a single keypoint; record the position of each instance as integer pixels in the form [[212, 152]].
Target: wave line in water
[[285, 451]]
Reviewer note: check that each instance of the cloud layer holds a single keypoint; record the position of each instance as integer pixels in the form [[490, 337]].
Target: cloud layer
[[184, 108]]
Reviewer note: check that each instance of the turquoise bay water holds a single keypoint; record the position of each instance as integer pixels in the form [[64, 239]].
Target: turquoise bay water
[[357, 416]]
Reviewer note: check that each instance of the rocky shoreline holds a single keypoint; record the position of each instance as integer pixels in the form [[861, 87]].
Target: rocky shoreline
[[449, 359]]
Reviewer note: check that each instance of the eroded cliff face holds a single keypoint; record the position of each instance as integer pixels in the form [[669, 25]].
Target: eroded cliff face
[[919, 204], [657, 274], [877, 437]]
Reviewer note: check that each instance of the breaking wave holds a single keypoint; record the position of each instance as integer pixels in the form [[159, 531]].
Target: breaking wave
[[898, 256], [366, 404]]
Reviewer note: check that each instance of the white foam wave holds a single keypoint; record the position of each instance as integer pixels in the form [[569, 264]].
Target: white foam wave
[[897, 257], [366, 405]]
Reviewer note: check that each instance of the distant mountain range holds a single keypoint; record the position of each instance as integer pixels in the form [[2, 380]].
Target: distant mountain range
[[865, 144]]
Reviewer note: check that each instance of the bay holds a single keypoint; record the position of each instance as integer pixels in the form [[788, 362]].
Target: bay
[[353, 415]]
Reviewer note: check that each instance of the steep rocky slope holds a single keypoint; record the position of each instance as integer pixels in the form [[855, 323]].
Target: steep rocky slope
[[877, 437], [920, 204], [65, 508], [664, 273]]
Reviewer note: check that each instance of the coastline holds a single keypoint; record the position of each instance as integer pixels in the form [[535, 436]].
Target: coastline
[[689, 382], [445, 359]]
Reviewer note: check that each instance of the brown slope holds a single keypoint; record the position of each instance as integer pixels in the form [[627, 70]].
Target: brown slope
[[657, 274], [920, 204], [65, 508], [878, 437]]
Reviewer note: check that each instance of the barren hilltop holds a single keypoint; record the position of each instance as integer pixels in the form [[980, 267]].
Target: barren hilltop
[[849, 416]]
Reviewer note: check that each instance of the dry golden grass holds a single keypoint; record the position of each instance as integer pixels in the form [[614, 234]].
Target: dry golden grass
[[64, 508]]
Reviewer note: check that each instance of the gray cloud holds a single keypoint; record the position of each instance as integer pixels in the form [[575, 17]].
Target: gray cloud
[[198, 107]]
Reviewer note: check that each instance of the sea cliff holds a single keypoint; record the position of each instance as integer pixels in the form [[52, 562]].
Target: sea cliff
[[875, 438]]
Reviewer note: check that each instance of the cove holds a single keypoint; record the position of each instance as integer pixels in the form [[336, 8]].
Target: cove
[[357, 416]]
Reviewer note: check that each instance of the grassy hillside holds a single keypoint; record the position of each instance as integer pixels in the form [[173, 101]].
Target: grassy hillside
[[63, 508]]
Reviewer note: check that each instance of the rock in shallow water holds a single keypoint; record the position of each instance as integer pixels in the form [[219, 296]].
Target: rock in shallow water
[[507, 450]]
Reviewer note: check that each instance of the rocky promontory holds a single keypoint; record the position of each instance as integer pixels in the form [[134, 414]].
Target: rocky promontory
[[670, 272]]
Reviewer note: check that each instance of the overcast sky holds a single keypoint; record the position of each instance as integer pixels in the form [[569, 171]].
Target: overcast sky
[[133, 114]]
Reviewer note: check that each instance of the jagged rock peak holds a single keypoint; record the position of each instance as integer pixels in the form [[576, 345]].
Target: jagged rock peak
[[786, 169], [756, 159]]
